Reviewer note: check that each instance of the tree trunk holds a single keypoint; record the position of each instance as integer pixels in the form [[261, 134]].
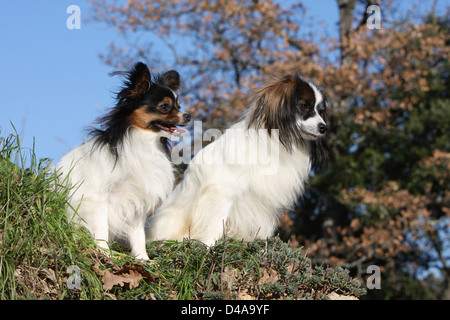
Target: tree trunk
[[346, 8]]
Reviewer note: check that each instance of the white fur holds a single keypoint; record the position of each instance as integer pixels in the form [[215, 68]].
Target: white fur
[[113, 200], [240, 200]]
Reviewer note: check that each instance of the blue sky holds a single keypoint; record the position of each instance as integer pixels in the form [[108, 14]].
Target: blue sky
[[53, 83]]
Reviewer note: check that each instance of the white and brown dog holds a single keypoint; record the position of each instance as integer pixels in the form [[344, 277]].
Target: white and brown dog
[[218, 196]]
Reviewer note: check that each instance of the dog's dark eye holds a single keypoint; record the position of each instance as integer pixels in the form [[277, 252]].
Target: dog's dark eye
[[303, 107], [165, 108]]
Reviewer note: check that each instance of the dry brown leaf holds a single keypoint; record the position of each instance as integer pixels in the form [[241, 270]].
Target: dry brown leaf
[[335, 296], [269, 275], [128, 276], [245, 295]]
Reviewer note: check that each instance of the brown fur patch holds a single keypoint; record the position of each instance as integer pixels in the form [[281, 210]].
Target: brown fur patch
[[141, 118], [278, 93]]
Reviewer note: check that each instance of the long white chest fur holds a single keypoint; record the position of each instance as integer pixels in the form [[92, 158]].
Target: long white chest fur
[[114, 197]]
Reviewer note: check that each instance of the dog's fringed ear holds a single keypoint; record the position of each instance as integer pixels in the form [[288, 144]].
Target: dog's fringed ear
[[137, 82], [140, 80], [170, 79], [319, 155], [273, 109]]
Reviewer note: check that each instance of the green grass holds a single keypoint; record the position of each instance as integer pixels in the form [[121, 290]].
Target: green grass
[[38, 246]]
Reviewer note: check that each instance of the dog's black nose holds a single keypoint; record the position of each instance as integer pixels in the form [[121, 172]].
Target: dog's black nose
[[187, 117], [323, 128]]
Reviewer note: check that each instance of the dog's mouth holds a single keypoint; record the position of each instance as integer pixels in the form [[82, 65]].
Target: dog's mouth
[[170, 128], [310, 136], [314, 136]]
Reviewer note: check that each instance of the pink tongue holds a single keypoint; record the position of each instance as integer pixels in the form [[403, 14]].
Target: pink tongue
[[177, 130]]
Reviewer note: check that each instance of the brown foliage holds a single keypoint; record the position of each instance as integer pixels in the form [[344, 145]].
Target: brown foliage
[[247, 41]]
